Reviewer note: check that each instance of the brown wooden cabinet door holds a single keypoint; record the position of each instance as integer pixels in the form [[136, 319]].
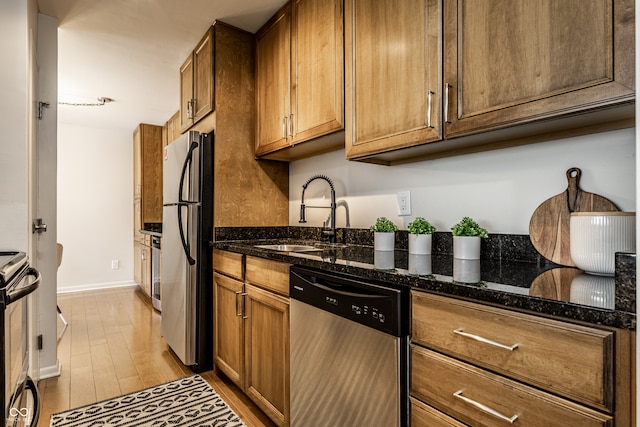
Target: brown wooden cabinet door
[[146, 269], [186, 94], [509, 62], [273, 84], [203, 88], [137, 263], [267, 352], [317, 60], [228, 327], [392, 75]]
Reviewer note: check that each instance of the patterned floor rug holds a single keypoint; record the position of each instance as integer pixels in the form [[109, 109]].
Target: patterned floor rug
[[185, 402]]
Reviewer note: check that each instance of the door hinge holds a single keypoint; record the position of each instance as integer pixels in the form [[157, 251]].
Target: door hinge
[[40, 346], [41, 107]]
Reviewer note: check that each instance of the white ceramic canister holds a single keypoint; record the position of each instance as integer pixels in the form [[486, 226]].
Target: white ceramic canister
[[466, 247], [595, 237], [420, 244], [384, 241]]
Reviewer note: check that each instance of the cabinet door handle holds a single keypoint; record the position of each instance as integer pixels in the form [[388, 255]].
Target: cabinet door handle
[[485, 408], [244, 305], [190, 109], [284, 127], [460, 331], [429, 96], [291, 125], [238, 312], [447, 88], [143, 254]]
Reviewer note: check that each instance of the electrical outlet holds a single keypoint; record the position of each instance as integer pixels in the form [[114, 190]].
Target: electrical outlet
[[115, 264], [404, 203]]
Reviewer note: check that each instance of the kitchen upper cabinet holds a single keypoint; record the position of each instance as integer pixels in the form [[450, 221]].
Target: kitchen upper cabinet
[[147, 167], [512, 62], [513, 72], [300, 78], [393, 76], [196, 83], [171, 130], [273, 85]]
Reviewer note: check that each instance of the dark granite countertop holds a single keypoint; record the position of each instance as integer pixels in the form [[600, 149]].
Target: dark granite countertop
[[537, 287], [152, 228]]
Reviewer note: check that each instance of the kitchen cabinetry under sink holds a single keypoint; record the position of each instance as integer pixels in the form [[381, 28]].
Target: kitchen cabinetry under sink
[[251, 327]]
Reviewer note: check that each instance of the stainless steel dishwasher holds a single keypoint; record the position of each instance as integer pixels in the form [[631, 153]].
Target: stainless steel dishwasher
[[349, 351]]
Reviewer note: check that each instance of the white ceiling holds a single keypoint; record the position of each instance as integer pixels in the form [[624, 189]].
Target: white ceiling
[[131, 51]]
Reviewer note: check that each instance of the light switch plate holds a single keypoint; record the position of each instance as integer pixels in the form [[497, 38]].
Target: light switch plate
[[404, 203]]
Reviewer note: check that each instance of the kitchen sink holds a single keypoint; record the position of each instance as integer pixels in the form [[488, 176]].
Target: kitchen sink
[[289, 248]]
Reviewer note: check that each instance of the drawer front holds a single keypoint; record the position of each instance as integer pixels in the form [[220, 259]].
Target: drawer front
[[271, 275], [423, 415], [480, 398], [571, 360], [229, 263]]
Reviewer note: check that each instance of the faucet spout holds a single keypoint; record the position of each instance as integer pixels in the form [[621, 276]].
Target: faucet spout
[[332, 232]]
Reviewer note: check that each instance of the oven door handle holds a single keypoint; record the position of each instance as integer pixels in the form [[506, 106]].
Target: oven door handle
[[18, 292]]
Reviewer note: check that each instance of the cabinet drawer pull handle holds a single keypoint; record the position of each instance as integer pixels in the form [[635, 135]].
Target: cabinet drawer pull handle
[[429, 96], [238, 313], [459, 331], [485, 408], [447, 87]]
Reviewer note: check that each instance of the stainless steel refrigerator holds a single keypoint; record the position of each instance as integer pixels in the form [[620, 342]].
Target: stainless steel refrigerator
[[187, 243]]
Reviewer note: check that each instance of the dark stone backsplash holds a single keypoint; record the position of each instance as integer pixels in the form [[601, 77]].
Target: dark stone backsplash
[[625, 281], [513, 247]]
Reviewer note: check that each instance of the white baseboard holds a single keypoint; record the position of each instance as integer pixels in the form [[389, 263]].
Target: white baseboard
[[51, 371], [94, 286]]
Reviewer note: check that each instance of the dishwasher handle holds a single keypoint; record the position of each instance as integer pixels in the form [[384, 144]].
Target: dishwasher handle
[[327, 286]]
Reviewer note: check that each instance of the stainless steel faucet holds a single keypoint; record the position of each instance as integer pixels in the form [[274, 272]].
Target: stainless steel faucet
[[332, 232]]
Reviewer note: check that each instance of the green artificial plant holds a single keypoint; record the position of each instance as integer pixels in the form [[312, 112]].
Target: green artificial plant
[[468, 227], [384, 225], [421, 226]]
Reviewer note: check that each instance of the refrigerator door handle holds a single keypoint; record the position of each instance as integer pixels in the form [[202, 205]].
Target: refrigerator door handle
[[185, 245], [182, 202], [187, 162]]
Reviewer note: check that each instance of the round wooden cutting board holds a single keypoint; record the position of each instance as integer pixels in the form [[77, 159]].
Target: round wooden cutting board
[[549, 225]]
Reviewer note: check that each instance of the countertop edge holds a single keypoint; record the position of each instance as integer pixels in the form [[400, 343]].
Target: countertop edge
[[475, 293]]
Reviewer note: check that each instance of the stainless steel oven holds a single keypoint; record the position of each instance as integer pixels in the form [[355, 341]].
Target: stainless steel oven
[[20, 401], [156, 266]]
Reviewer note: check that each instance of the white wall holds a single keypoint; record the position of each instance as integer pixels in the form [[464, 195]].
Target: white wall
[[95, 207], [500, 188], [14, 45]]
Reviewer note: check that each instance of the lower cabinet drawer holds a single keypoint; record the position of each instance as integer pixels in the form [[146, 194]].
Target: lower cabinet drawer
[[480, 398], [571, 360], [423, 415]]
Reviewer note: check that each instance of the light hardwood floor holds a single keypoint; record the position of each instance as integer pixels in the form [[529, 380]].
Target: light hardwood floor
[[113, 346]]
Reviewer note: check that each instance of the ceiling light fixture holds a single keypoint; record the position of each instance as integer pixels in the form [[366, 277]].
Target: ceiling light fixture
[[101, 101]]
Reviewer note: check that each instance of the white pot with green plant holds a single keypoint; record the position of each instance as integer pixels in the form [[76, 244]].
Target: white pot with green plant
[[384, 234], [466, 239], [420, 236]]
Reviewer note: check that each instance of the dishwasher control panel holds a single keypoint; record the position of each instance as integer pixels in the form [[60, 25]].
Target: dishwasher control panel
[[381, 307]]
